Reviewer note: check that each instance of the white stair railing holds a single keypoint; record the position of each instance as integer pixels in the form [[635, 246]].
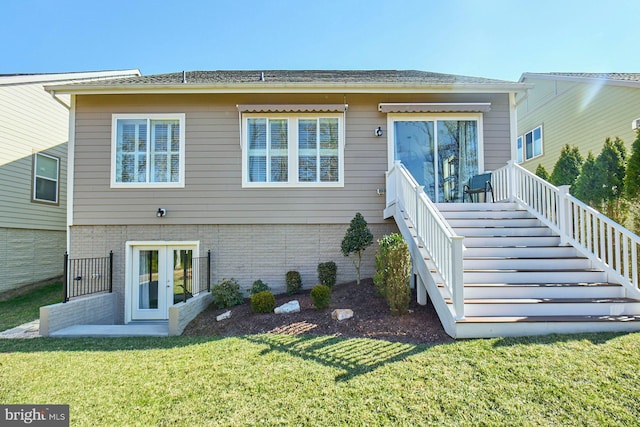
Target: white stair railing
[[605, 242], [432, 231]]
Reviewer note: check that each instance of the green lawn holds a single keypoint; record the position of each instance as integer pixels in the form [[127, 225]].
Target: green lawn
[[260, 380], [25, 308]]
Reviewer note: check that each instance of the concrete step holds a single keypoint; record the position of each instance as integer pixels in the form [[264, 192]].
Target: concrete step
[[551, 307], [540, 290], [503, 231], [494, 222], [511, 241], [534, 276], [487, 263], [520, 252]]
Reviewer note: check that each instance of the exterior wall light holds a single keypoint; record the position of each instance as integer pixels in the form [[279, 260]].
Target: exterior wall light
[[378, 131], [161, 212]]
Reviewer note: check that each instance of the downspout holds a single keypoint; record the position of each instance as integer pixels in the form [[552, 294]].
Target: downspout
[[513, 125], [60, 101], [71, 168]]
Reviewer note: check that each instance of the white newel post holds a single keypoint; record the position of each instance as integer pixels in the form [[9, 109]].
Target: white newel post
[[458, 277], [564, 214], [511, 178]]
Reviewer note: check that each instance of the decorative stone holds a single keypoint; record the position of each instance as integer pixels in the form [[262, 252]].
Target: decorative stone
[[290, 307], [342, 313], [224, 316]]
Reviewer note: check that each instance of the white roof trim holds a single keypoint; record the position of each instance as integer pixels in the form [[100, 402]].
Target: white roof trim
[[292, 108], [74, 77], [431, 107]]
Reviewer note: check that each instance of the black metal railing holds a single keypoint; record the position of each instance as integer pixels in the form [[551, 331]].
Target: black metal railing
[[196, 276], [86, 276]]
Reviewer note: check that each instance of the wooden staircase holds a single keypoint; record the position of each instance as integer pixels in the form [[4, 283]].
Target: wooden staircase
[[518, 280]]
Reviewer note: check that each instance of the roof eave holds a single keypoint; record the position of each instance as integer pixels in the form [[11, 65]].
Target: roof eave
[[577, 79], [292, 88]]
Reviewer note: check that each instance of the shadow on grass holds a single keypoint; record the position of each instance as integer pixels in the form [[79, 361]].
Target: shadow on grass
[[355, 356], [594, 338]]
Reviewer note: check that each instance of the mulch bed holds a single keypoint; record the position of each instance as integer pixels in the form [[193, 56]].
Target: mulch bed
[[372, 318]]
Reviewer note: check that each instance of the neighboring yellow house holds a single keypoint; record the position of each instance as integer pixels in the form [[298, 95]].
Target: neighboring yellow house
[[34, 130], [579, 109]]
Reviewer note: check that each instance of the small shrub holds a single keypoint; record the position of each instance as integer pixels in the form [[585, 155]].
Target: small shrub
[[398, 275], [294, 282], [321, 296], [327, 272], [258, 286], [226, 293], [380, 277], [263, 302], [356, 240]]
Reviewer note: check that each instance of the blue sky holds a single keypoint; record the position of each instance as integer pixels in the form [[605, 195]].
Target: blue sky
[[489, 38]]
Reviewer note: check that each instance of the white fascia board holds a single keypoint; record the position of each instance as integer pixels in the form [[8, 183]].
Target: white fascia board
[[576, 79], [289, 88], [68, 77]]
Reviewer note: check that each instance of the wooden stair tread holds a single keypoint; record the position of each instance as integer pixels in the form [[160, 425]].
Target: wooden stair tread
[[616, 300], [583, 318]]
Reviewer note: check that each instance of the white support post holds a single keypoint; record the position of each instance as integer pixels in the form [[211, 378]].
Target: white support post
[[511, 180], [421, 291], [458, 277], [564, 214]]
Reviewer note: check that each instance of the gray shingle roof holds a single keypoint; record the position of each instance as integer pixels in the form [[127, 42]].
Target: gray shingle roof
[[293, 78]]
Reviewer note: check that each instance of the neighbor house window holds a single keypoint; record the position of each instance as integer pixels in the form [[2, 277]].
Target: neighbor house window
[[148, 150], [292, 150], [46, 173], [530, 144]]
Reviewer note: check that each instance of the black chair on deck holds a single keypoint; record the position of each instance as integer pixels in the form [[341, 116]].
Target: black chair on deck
[[478, 184]]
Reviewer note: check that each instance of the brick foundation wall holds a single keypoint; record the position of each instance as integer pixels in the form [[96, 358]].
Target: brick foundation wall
[[181, 314], [243, 252], [30, 256], [92, 310]]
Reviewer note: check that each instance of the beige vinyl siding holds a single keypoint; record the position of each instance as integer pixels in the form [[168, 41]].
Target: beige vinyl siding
[[30, 121], [213, 173], [584, 115]]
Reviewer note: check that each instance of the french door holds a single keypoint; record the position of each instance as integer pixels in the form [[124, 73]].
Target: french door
[[157, 279], [441, 155]]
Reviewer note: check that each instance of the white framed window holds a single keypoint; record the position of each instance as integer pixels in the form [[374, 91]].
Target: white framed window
[[46, 178], [147, 150], [303, 150], [529, 145]]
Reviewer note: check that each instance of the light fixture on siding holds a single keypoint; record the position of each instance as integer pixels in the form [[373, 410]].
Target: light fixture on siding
[[378, 131], [161, 212]]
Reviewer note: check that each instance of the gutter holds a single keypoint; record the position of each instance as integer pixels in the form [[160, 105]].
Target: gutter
[[60, 101]]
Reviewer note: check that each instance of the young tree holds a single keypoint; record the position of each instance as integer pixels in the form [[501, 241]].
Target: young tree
[[585, 186], [542, 172], [610, 175], [567, 168], [356, 240], [632, 183]]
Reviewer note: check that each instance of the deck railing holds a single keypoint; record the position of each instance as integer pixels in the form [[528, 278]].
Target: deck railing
[[604, 241], [432, 230]]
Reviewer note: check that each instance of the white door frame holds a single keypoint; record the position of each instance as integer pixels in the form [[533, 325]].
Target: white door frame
[[150, 244]]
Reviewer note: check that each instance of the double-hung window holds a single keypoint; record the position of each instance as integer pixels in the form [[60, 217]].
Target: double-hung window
[[147, 150], [529, 145], [46, 174], [292, 150]]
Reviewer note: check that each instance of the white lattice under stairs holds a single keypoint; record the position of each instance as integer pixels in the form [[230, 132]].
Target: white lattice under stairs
[[519, 281]]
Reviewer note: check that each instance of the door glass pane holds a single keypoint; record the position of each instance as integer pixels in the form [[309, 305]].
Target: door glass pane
[[457, 157], [182, 275], [414, 147], [148, 280]]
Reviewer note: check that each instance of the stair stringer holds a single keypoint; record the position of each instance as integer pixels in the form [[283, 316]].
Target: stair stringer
[[422, 266]]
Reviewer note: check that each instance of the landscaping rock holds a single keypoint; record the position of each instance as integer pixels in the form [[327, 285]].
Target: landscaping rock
[[290, 307], [342, 314], [224, 316]]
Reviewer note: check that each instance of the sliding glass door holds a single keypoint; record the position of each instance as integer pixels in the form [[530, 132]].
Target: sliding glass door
[[439, 154]]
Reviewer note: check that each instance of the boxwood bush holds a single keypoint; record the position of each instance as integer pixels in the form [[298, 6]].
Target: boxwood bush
[[294, 282], [327, 272], [321, 296], [258, 286], [263, 302]]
